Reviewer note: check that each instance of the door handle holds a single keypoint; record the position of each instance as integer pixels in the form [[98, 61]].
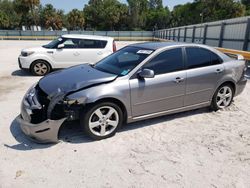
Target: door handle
[[178, 80], [50, 52], [218, 71], [76, 53], [99, 53]]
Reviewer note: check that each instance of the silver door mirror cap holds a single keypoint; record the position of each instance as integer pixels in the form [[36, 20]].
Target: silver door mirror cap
[[146, 73], [60, 46]]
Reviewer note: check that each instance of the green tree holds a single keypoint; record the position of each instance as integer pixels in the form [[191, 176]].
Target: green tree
[[137, 13], [51, 18], [206, 11], [113, 13], [221, 9], [9, 19], [75, 19], [105, 14], [28, 11], [155, 4], [157, 19], [247, 4]]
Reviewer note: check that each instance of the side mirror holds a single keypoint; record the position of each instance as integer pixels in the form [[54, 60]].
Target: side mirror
[[60, 46], [146, 73]]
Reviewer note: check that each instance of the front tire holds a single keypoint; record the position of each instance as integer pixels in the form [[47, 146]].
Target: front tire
[[101, 120], [40, 68], [223, 97]]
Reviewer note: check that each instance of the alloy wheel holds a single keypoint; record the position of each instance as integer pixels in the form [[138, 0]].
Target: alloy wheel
[[224, 97], [40, 69], [103, 121]]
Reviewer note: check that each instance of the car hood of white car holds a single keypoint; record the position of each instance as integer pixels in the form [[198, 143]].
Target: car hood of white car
[[35, 49]]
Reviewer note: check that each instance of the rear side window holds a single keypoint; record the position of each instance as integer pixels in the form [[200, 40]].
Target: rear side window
[[167, 61], [86, 43], [199, 57], [215, 59]]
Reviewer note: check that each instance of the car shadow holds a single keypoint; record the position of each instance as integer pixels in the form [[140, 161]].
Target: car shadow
[[27, 73], [23, 73], [71, 132], [161, 119]]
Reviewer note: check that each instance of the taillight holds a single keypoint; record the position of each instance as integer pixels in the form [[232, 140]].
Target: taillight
[[114, 46]]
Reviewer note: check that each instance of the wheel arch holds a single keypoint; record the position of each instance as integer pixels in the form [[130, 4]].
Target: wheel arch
[[117, 102], [41, 60], [229, 82]]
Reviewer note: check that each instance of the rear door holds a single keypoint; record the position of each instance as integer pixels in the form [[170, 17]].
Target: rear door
[[163, 92], [204, 69], [92, 51]]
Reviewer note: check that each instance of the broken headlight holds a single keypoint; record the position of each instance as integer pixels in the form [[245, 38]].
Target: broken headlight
[[71, 99]]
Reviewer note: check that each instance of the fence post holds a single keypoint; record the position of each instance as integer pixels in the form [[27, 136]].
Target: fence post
[[193, 35], [205, 34], [246, 39], [179, 33], [20, 34], [174, 34], [221, 34], [185, 34]]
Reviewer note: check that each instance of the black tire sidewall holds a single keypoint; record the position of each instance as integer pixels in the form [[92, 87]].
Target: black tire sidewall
[[85, 115], [214, 105], [40, 61]]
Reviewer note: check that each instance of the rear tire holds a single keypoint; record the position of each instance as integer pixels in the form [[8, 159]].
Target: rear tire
[[223, 97], [101, 120], [40, 68]]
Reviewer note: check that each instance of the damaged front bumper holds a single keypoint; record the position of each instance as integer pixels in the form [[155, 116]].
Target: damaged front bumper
[[45, 132], [33, 121]]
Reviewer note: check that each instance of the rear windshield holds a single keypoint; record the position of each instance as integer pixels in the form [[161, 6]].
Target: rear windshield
[[123, 61]]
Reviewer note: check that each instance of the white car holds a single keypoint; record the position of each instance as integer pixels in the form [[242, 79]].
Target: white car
[[66, 51]]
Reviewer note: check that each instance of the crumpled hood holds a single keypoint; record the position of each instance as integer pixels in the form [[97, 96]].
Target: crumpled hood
[[73, 79]]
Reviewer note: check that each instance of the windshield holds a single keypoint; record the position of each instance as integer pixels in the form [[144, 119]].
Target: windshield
[[53, 43], [123, 61]]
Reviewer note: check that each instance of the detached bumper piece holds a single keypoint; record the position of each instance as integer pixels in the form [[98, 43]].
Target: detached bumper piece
[[45, 132], [34, 121]]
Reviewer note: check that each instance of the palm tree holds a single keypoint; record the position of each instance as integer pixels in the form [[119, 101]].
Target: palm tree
[[76, 19], [32, 4]]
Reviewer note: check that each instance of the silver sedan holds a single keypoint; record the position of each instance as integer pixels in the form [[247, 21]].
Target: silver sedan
[[139, 81]]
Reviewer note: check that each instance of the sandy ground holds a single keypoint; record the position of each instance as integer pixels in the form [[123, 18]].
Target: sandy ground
[[192, 149]]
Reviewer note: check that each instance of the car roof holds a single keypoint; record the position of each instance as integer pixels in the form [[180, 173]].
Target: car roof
[[158, 45], [79, 36]]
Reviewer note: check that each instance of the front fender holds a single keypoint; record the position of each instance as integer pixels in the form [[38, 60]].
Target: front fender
[[43, 57], [118, 90]]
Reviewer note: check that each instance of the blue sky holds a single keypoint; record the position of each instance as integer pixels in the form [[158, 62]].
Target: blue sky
[[68, 5]]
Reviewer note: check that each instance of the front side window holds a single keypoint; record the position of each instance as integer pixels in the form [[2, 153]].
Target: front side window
[[167, 61], [54, 43], [199, 57], [123, 61], [71, 43]]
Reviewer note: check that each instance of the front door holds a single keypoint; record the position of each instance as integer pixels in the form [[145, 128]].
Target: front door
[[69, 55], [163, 92]]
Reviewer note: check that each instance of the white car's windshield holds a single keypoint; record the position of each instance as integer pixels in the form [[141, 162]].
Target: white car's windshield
[[53, 43], [123, 61]]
